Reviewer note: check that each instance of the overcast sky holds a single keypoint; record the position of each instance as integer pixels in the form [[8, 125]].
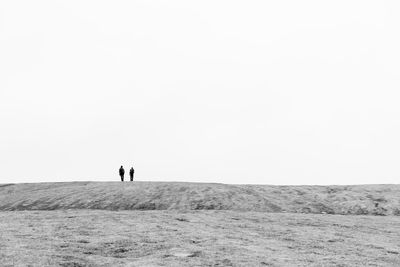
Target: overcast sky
[[267, 92]]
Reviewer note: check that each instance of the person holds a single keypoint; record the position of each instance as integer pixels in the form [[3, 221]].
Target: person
[[121, 173], [131, 173]]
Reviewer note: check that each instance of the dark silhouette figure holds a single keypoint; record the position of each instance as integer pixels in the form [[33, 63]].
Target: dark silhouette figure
[[122, 173], [131, 173]]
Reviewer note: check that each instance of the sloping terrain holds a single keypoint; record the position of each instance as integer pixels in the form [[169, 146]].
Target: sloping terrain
[[356, 199], [194, 224]]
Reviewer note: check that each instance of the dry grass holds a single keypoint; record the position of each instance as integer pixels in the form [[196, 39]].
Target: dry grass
[[359, 200], [192, 224], [196, 238]]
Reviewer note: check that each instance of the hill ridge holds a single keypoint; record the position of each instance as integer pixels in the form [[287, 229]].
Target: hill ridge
[[334, 199]]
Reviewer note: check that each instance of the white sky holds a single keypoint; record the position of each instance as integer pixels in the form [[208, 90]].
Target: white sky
[[268, 92]]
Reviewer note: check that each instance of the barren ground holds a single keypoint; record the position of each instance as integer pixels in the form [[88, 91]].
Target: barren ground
[[185, 224], [196, 238]]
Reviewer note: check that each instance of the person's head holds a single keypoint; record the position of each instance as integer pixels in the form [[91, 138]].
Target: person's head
[[121, 166]]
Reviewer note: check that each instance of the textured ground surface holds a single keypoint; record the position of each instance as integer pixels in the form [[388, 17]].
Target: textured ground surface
[[360, 199], [193, 224], [196, 238]]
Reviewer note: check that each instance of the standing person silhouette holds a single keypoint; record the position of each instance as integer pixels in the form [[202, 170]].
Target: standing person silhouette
[[121, 173], [131, 173]]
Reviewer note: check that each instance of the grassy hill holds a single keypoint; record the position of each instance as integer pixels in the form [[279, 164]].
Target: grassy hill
[[197, 224], [355, 199]]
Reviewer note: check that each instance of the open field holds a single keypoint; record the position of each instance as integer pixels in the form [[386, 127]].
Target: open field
[[194, 224], [358, 199], [196, 238]]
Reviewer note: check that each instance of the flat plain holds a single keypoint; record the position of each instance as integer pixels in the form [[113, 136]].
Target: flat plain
[[186, 224]]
